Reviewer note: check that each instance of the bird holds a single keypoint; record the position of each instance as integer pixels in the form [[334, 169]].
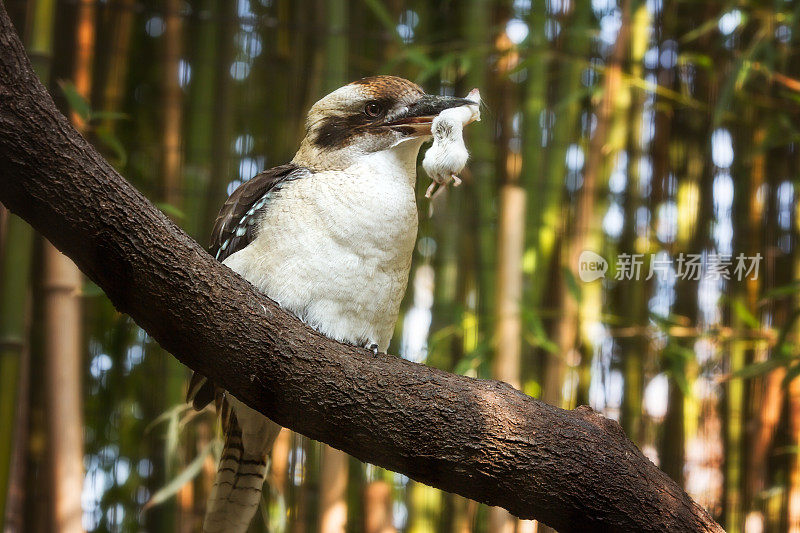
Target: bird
[[329, 237]]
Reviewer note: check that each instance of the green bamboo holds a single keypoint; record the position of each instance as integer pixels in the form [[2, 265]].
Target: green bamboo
[[222, 119], [634, 308], [14, 285], [425, 504], [481, 140], [15, 268], [546, 210], [735, 435], [336, 53], [199, 131], [535, 102]]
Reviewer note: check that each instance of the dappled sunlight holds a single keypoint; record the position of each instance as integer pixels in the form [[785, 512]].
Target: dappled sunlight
[[625, 237]]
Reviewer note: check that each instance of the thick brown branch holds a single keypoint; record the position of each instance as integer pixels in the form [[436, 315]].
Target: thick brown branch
[[574, 470]]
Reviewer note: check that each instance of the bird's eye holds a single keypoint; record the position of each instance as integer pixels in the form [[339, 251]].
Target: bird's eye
[[373, 109]]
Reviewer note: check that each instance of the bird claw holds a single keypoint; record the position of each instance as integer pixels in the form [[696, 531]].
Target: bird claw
[[373, 348]]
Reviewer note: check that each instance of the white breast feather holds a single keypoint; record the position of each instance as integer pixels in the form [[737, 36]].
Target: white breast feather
[[335, 248]]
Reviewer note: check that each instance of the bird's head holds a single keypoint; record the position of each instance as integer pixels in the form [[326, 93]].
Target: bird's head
[[367, 116]]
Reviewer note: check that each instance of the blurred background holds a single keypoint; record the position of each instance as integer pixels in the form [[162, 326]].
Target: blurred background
[[660, 135]]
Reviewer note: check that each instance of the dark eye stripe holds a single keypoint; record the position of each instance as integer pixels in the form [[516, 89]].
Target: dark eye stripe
[[336, 131]]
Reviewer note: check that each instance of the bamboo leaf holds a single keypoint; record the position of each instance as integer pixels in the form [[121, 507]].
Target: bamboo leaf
[[759, 369], [75, 100], [708, 26], [536, 334], [187, 474], [783, 290], [170, 413], [112, 142], [91, 289], [745, 315], [791, 374], [676, 358], [784, 332], [383, 15], [109, 115], [572, 284], [171, 210]]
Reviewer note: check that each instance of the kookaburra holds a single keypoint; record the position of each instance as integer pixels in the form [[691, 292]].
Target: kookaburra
[[329, 237]]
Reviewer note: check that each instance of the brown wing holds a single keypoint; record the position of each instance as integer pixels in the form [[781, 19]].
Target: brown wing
[[234, 229]]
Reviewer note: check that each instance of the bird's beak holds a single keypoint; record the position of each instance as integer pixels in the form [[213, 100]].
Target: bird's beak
[[419, 115]]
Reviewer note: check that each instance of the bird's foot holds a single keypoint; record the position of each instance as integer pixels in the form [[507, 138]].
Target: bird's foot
[[442, 184], [431, 188], [372, 347]]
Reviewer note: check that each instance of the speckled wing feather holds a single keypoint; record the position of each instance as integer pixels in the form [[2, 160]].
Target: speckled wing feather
[[234, 229], [235, 226]]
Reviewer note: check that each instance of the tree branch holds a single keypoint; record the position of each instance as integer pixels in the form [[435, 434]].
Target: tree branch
[[573, 470]]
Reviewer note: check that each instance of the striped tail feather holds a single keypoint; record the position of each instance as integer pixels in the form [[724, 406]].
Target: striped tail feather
[[237, 488], [242, 469]]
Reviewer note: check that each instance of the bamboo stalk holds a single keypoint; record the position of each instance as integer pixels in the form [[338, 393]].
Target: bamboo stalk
[[511, 235], [424, 505], [793, 509], [3, 228], [793, 497], [634, 295], [333, 490], [508, 291], [114, 85], [510, 240], [279, 462], [546, 212], [14, 286], [172, 106], [767, 392], [199, 120], [735, 432], [547, 217], [222, 118], [61, 287], [14, 518], [378, 507], [302, 512]]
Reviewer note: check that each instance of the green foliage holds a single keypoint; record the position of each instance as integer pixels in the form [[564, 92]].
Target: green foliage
[[547, 92], [98, 122], [535, 333], [675, 359], [191, 471]]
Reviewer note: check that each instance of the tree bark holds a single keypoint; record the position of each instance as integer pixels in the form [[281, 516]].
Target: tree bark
[[574, 470]]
